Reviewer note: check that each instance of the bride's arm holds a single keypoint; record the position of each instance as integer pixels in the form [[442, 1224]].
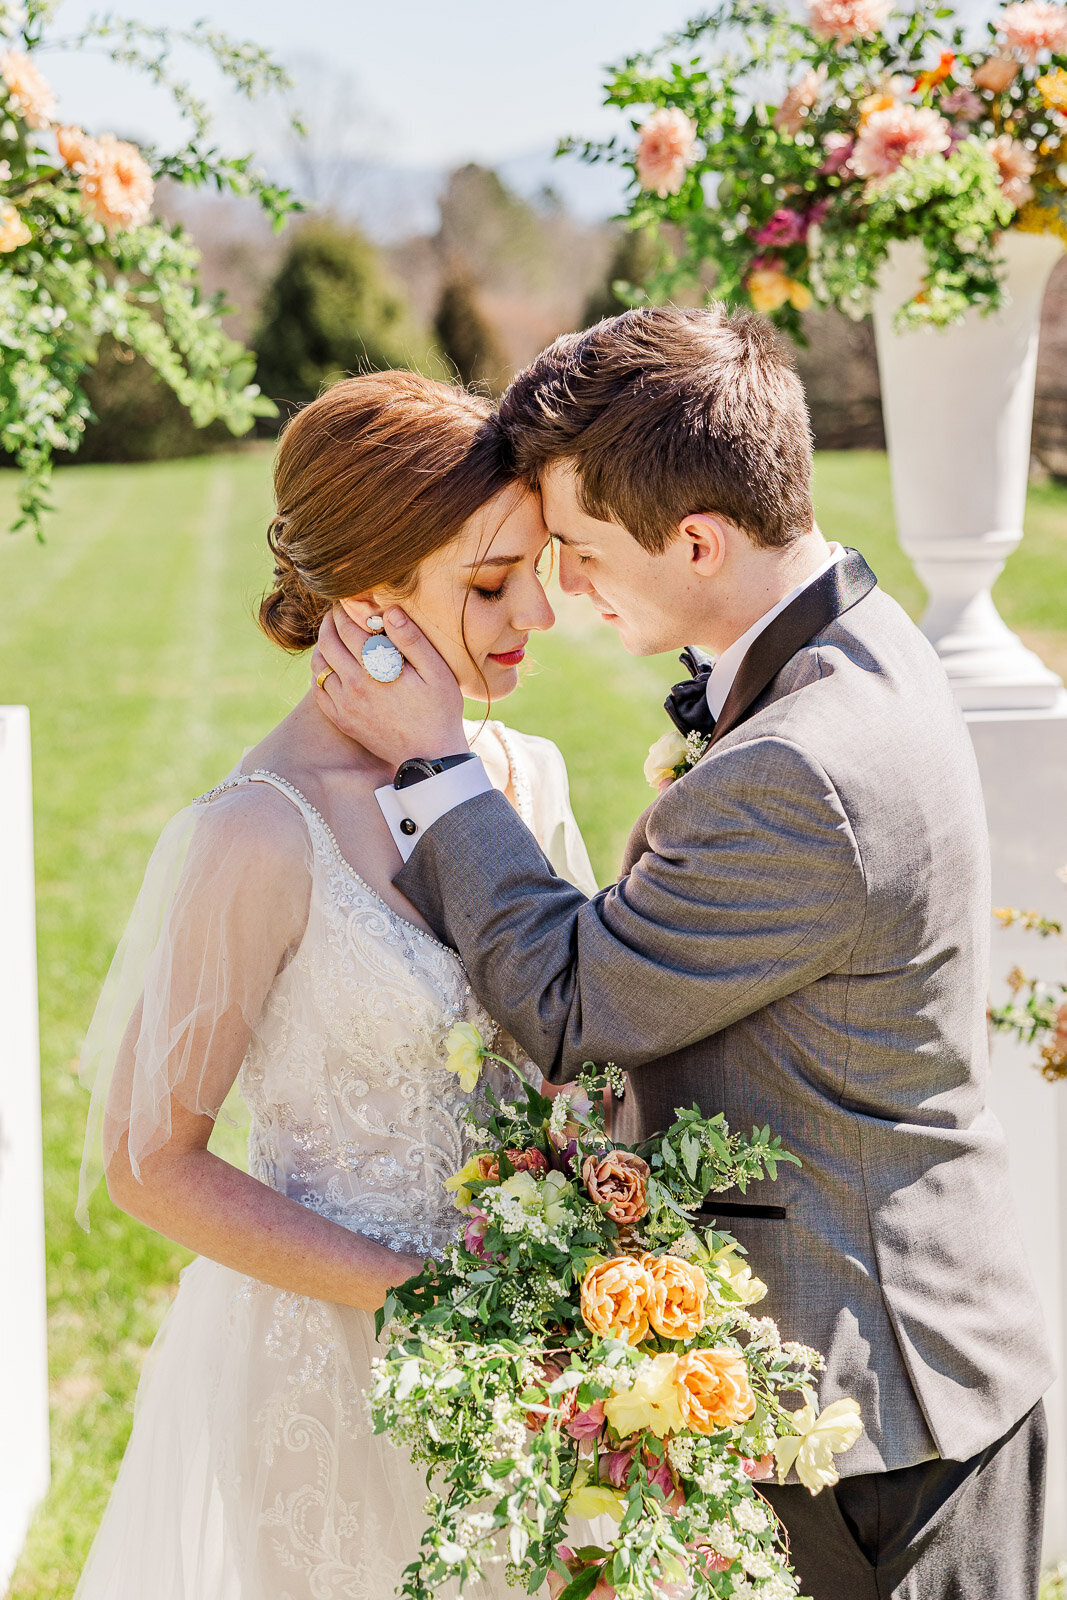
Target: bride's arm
[[200, 1201], [235, 916]]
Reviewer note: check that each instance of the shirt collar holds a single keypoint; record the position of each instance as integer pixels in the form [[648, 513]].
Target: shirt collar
[[724, 671]]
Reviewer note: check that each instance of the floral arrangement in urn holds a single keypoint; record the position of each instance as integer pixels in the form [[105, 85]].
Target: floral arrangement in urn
[[1036, 1011], [81, 255], [788, 153], [587, 1349]]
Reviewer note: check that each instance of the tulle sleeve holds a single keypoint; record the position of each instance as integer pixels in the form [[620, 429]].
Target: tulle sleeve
[[221, 911], [544, 771]]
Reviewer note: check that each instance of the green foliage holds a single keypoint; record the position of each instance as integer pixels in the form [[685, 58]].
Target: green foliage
[[783, 203], [138, 417], [466, 339], [332, 310], [75, 272]]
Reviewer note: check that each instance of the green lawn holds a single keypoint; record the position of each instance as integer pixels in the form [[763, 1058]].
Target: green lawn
[[130, 636]]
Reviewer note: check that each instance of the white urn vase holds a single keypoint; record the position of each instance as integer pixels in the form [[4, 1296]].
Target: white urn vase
[[958, 406]]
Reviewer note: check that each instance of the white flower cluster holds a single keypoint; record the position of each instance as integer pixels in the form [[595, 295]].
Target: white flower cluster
[[510, 1215], [750, 1516]]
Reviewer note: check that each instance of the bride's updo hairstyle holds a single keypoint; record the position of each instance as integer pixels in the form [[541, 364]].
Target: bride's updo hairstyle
[[371, 478]]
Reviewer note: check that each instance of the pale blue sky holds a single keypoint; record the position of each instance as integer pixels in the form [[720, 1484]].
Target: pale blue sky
[[439, 82]]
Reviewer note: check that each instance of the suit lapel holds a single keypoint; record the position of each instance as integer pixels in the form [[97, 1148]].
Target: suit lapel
[[846, 582]]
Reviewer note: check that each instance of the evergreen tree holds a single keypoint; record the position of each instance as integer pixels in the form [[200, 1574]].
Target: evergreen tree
[[331, 310], [466, 339], [632, 261]]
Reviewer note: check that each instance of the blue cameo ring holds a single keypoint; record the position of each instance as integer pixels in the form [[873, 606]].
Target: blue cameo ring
[[380, 657]]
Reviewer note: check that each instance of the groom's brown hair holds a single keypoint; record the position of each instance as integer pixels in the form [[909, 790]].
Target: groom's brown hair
[[665, 412]]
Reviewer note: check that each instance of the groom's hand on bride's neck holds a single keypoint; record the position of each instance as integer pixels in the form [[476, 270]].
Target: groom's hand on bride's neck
[[419, 714]]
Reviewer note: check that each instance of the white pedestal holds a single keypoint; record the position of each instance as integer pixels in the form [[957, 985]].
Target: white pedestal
[[24, 1465], [1023, 760]]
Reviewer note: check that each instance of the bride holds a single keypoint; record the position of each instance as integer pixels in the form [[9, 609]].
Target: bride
[[269, 949]]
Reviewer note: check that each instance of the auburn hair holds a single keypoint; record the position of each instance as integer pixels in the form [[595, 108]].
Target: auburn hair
[[663, 412], [375, 475]]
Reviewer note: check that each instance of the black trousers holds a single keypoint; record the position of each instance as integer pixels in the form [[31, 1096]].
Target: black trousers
[[943, 1530]]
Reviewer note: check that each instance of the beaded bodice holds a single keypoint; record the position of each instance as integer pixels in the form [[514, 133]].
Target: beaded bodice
[[353, 1110]]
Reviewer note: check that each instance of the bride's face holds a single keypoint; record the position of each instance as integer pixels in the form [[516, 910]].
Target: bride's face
[[479, 598]]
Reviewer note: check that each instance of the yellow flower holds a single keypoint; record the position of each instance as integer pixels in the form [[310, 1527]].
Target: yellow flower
[[457, 1185], [769, 288], [466, 1050], [554, 1192], [881, 100], [819, 1438], [737, 1275], [595, 1500], [13, 231], [522, 1186], [1053, 89], [668, 750], [652, 1403]]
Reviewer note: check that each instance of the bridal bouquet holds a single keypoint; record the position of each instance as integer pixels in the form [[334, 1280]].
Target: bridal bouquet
[[587, 1350], [787, 153]]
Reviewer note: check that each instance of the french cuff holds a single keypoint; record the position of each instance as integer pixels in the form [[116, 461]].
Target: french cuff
[[409, 812]]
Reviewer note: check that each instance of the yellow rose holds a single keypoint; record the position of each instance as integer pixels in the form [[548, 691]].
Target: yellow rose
[[615, 1299], [13, 231], [595, 1500], [652, 1403], [466, 1050], [668, 750], [819, 1438], [738, 1275], [1053, 89], [769, 288], [679, 1292], [713, 1390], [457, 1184]]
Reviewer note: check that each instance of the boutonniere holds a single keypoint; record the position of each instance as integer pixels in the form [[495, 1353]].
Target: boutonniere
[[672, 755]]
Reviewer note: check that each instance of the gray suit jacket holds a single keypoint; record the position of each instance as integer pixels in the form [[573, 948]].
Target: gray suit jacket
[[801, 938]]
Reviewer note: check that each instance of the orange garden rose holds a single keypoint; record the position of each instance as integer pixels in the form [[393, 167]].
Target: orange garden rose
[[13, 231], [75, 146], [616, 1296], [679, 1293], [713, 1390], [116, 182], [28, 91], [618, 1180]]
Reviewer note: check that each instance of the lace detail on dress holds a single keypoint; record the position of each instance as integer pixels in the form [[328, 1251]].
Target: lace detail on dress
[[353, 1111]]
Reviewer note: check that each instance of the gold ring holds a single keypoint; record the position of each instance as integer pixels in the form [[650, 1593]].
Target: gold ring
[[321, 679]]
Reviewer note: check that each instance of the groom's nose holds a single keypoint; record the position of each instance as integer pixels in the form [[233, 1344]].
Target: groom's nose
[[571, 580]]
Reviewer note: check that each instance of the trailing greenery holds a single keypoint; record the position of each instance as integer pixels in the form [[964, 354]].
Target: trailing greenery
[[81, 258]]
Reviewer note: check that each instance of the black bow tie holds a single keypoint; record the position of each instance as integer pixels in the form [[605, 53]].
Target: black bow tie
[[687, 704]]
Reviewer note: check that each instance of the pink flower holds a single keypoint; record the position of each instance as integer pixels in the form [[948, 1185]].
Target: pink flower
[[785, 227], [665, 151], [474, 1233], [588, 1423], [996, 74], [839, 148], [845, 20], [890, 136], [708, 1561], [759, 1471], [792, 114], [1016, 167], [619, 1463], [1032, 26], [962, 103]]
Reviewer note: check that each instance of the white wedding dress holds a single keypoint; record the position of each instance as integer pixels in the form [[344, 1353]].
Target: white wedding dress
[[251, 1472]]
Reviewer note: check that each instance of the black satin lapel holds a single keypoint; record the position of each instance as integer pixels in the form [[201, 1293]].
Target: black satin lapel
[[847, 581]]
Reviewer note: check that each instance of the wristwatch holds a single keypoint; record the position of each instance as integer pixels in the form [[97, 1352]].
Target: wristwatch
[[421, 767]]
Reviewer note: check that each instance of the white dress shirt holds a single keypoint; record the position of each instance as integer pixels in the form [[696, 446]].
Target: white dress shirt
[[409, 812]]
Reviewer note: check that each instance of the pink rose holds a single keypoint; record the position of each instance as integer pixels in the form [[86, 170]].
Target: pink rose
[[618, 1180], [619, 1463], [1032, 26], [888, 136], [665, 151], [474, 1233], [839, 148], [784, 228], [759, 1471], [588, 1423], [534, 1161], [792, 114], [845, 20]]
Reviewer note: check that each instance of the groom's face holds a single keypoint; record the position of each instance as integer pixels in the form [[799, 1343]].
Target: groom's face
[[649, 599]]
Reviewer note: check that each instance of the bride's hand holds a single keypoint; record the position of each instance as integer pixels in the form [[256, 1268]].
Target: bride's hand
[[418, 714]]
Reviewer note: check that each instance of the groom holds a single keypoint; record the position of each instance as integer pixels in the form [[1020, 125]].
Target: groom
[[798, 937]]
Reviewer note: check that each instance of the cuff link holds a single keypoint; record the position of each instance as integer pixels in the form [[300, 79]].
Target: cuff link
[[407, 827]]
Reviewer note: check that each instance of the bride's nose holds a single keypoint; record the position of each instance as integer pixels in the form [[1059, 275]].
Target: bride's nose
[[533, 614]]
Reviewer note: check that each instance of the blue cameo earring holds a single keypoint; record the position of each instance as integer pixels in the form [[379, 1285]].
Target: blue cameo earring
[[380, 656]]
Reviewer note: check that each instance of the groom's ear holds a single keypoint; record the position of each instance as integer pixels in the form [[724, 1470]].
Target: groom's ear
[[706, 538]]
